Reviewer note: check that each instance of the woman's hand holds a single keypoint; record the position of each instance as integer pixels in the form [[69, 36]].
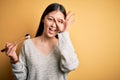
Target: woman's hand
[[11, 52], [68, 21]]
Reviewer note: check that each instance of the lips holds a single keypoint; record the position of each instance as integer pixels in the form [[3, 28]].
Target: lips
[[52, 30]]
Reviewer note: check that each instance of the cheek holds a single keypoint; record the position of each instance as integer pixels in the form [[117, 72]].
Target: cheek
[[46, 25]]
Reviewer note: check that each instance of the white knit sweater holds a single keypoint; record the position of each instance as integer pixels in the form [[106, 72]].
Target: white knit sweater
[[33, 65]]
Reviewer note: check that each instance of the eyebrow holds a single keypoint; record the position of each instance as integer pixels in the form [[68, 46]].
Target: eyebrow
[[58, 18]]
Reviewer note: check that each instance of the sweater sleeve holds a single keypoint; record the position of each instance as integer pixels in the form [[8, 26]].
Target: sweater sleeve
[[69, 60], [20, 68]]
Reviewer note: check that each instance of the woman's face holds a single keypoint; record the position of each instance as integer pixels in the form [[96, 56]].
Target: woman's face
[[53, 23]]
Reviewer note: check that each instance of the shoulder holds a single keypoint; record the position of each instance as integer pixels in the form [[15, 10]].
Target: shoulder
[[27, 44], [27, 41]]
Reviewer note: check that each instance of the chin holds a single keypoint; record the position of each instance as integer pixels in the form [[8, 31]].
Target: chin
[[51, 35]]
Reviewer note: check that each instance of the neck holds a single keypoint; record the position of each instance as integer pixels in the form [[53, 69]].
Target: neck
[[45, 38], [45, 41]]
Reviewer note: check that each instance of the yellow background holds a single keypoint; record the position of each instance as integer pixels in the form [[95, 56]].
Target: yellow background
[[95, 34]]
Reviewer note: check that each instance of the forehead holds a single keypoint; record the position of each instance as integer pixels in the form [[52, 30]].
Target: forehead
[[56, 14]]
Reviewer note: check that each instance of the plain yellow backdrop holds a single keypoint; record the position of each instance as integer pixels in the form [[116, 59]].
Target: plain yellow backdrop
[[95, 34]]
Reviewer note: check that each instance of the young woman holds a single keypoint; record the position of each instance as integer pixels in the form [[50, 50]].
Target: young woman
[[50, 55]]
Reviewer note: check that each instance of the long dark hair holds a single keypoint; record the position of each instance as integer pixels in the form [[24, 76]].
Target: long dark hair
[[50, 8]]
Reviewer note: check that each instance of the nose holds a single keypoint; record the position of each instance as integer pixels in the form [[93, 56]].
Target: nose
[[54, 24]]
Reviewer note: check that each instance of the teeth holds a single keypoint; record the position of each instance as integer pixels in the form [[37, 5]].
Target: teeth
[[53, 29]]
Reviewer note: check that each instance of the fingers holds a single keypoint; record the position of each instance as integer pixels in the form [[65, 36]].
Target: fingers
[[10, 48], [60, 24], [64, 24], [11, 52], [69, 15], [70, 18], [68, 21]]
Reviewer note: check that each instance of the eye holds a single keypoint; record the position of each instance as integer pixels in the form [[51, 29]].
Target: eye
[[60, 21], [50, 19]]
